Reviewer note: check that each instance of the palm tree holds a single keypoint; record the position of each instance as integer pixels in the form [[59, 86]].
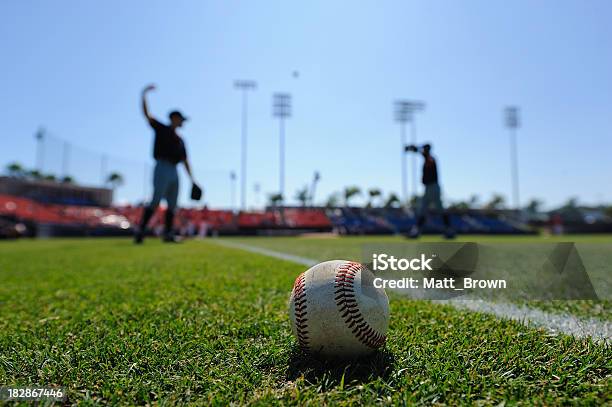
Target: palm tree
[[67, 180], [35, 174], [534, 206], [275, 199], [473, 202], [572, 203], [413, 202], [332, 201], [460, 206], [373, 193], [571, 209], [392, 201], [497, 202], [302, 196], [115, 180], [15, 169], [350, 192]]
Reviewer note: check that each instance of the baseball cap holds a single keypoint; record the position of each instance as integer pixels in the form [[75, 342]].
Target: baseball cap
[[178, 114]]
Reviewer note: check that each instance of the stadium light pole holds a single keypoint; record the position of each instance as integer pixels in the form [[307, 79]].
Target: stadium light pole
[[244, 86], [103, 168], [65, 159], [512, 122], [40, 149], [233, 190], [315, 180], [404, 112], [257, 190], [281, 108]]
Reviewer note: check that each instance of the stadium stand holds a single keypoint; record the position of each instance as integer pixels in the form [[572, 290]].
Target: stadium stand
[[55, 192], [395, 220], [45, 219], [307, 218]]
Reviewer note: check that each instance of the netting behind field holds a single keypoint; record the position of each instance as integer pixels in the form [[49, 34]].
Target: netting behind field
[[90, 168]]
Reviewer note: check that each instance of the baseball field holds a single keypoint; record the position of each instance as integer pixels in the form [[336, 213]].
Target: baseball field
[[206, 322]]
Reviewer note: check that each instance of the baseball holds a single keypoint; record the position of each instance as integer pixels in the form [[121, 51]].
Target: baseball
[[336, 311]]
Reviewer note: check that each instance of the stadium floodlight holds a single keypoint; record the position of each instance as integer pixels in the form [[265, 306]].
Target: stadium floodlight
[[244, 86], [404, 111], [511, 118], [281, 108]]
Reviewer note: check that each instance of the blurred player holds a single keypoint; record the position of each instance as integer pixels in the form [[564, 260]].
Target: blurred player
[[169, 150], [432, 195]]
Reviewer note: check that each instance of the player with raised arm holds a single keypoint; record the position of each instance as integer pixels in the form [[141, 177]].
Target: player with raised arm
[[432, 195], [168, 151]]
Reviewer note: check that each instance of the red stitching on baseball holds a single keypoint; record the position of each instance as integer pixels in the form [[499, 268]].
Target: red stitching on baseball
[[299, 310], [349, 309]]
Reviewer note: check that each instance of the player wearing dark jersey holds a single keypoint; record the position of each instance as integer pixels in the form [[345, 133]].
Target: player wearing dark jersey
[[432, 196], [168, 151]]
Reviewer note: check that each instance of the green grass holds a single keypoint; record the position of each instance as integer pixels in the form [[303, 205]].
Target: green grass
[[327, 246], [199, 323], [595, 250]]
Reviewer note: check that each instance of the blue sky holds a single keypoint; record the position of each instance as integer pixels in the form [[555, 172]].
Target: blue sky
[[77, 69]]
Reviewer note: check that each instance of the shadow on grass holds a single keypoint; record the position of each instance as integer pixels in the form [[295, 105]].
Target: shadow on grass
[[338, 372]]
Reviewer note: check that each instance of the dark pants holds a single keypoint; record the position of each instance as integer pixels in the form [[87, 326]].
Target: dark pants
[[165, 186], [432, 197]]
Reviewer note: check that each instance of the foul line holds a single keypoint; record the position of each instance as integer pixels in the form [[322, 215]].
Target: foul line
[[266, 252], [598, 330]]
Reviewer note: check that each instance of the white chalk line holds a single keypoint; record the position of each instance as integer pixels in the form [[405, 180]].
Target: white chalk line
[[594, 328]]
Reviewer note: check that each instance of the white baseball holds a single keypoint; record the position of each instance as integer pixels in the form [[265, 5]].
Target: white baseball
[[336, 311]]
